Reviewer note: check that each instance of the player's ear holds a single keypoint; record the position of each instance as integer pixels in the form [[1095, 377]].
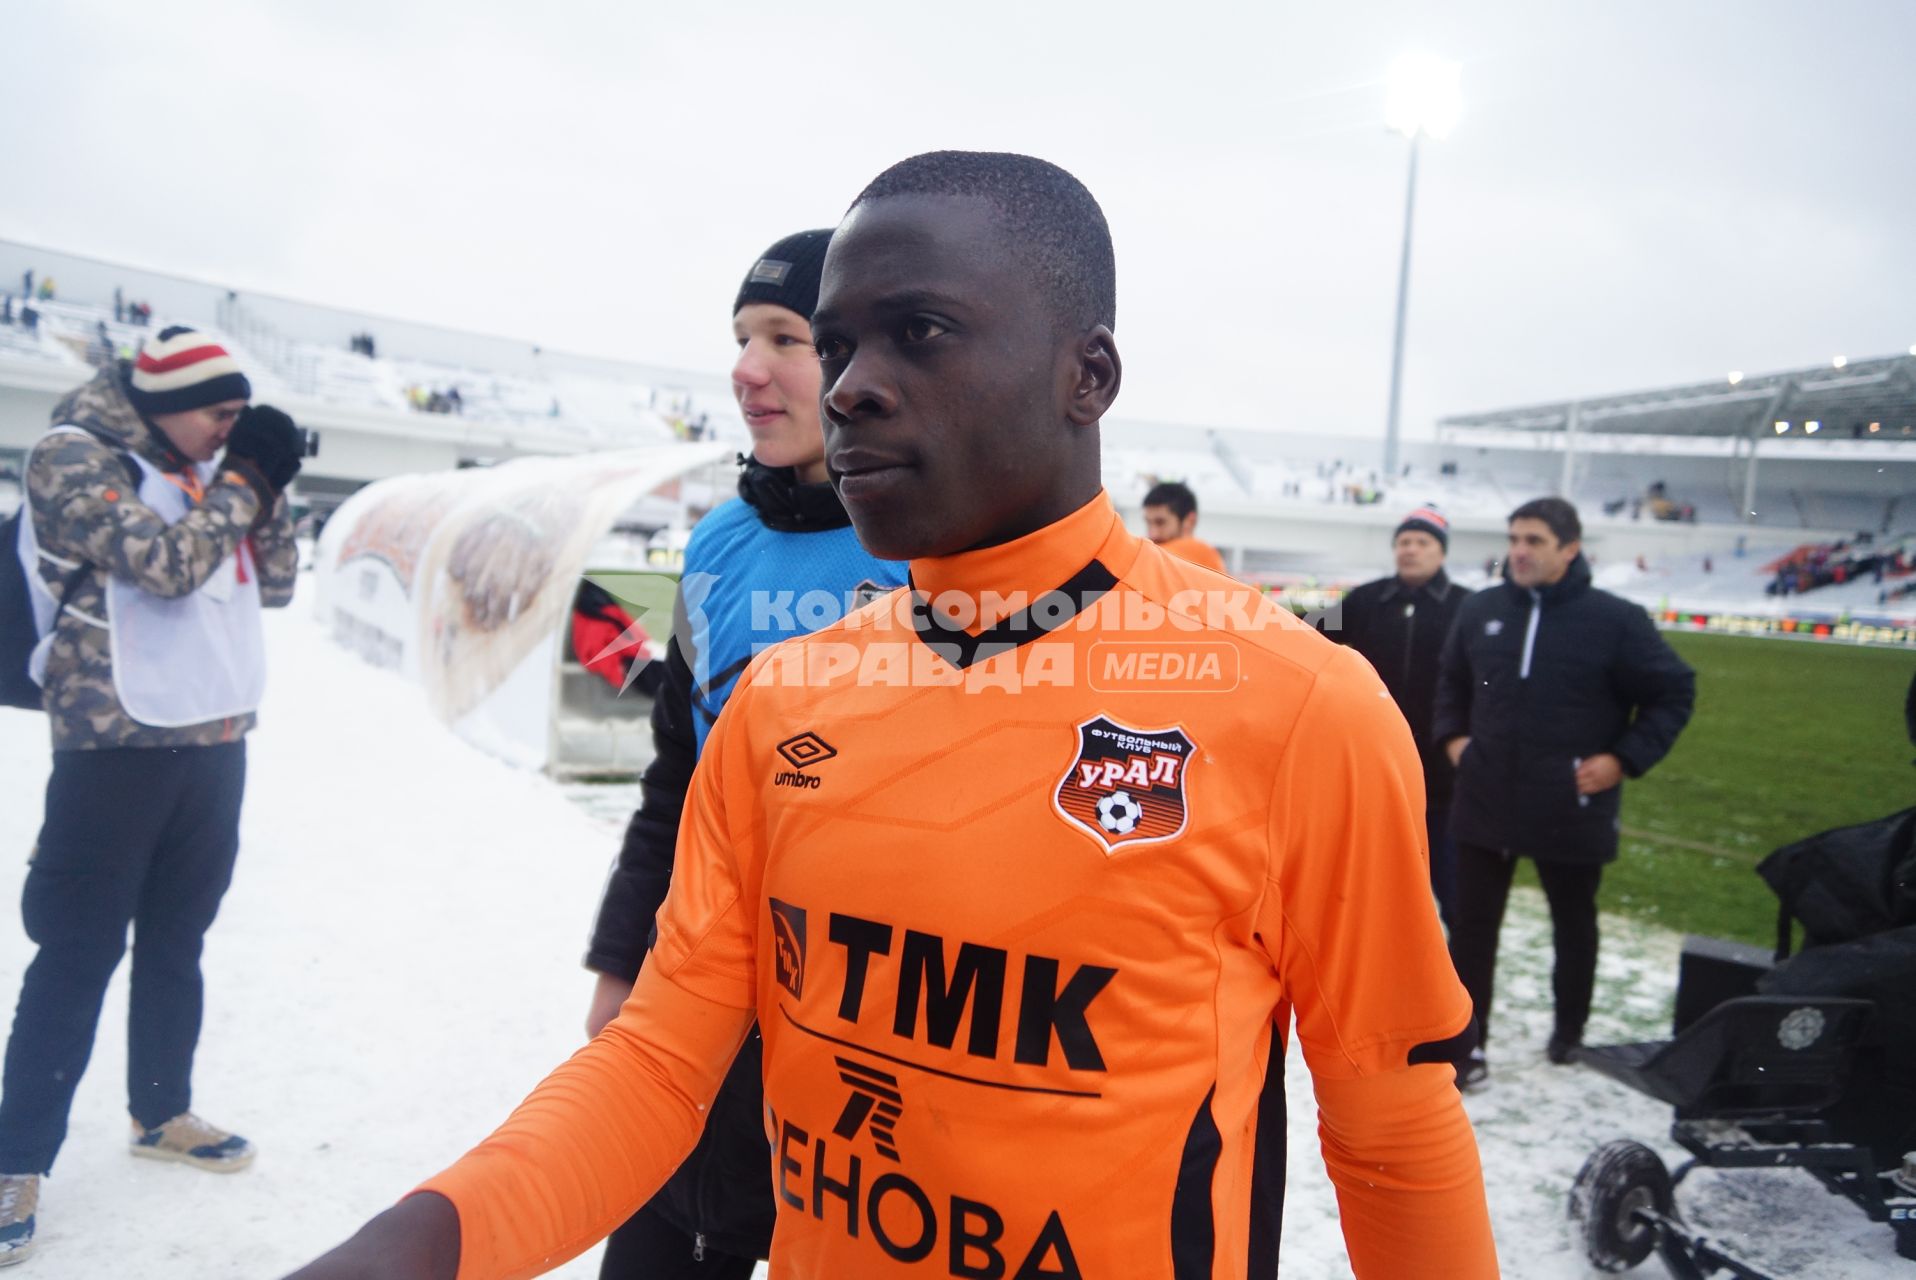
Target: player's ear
[[1096, 373]]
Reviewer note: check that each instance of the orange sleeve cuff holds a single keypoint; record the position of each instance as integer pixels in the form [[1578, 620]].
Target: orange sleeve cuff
[[598, 1136], [1410, 1189]]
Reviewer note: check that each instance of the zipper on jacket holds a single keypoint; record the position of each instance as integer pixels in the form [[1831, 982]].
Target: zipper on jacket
[[698, 1246], [1410, 638], [1530, 633]]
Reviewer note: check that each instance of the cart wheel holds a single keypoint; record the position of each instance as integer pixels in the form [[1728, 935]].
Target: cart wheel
[[1616, 1181]]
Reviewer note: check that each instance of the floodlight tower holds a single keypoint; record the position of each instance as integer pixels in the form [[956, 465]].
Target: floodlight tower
[[1422, 100]]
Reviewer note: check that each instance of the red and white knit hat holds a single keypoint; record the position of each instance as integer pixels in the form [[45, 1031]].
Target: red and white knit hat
[[181, 369], [1426, 519]]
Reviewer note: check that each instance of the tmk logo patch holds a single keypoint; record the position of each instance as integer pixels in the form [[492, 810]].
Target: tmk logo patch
[[1126, 786], [788, 947]]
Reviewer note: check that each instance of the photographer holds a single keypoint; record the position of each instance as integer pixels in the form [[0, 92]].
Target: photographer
[[160, 559]]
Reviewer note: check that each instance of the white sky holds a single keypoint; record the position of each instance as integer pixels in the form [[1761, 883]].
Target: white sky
[[1640, 191]]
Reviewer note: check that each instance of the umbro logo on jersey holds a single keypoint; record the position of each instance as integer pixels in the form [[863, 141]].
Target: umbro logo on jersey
[[866, 592], [1494, 627], [802, 752], [1126, 786]]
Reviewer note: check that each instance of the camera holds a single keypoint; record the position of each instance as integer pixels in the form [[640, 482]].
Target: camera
[[308, 443]]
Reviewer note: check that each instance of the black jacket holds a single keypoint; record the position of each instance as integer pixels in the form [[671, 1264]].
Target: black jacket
[[1400, 631], [1541, 680], [723, 1191]]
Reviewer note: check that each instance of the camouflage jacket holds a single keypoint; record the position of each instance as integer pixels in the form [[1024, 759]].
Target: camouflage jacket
[[86, 511]]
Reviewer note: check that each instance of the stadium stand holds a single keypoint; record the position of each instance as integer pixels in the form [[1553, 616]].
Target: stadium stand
[[435, 397], [79, 335], [1827, 564]]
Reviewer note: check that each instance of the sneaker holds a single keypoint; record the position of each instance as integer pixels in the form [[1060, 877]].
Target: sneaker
[[1562, 1048], [191, 1140], [1474, 1073], [19, 1197]]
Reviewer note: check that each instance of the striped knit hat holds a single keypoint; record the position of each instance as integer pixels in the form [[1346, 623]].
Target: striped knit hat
[[1426, 520], [181, 369]]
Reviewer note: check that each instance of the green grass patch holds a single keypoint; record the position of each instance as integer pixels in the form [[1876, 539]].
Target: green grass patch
[[1789, 738]]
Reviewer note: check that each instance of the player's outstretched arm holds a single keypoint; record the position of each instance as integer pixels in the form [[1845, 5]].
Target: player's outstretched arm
[[416, 1239], [601, 1134], [592, 1143], [1380, 1013]]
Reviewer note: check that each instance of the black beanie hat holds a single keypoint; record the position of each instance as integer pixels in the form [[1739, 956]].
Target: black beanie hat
[[786, 275], [1427, 520], [181, 369]]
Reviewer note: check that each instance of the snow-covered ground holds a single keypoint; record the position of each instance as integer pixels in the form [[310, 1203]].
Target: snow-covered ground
[[397, 964]]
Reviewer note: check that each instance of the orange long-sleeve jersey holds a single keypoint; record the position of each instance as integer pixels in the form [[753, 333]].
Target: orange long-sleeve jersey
[[1195, 550], [1015, 900]]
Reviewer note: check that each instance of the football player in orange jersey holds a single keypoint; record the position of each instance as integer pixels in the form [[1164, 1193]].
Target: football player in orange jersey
[[1170, 520], [1016, 959]]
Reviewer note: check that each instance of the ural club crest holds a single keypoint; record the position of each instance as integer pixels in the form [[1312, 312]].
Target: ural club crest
[[1126, 786]]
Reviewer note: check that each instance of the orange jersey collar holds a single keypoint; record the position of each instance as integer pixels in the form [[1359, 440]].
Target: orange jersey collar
[[1037, 562]]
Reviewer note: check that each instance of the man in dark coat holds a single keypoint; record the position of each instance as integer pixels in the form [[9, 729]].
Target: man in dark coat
[[1399, 624], [1550, 693]]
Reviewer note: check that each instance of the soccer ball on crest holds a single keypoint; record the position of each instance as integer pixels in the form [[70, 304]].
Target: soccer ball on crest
[[1119, 814]]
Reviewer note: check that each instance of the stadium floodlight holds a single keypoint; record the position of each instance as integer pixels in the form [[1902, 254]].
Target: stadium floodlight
[[1422, 99], [1839, 361], [1736, 376], [1812, 426], [1423, 94], [1781, 427]]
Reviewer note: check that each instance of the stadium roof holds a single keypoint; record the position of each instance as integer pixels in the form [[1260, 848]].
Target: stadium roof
[[1842, 398]]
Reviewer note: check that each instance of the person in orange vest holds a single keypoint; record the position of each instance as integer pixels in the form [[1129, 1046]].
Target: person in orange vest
[[1170, 520]]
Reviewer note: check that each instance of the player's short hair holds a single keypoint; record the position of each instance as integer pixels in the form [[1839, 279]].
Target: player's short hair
[[1555, 512], [1053, 224], [1175, 495]]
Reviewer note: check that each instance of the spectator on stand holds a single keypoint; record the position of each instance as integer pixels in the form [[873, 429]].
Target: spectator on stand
[[1551, 692], [99, 348]]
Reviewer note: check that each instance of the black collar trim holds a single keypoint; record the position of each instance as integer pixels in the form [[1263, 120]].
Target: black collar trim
[[1050, 612]]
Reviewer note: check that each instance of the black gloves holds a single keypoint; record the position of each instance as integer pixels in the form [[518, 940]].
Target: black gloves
[[264, 447]]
